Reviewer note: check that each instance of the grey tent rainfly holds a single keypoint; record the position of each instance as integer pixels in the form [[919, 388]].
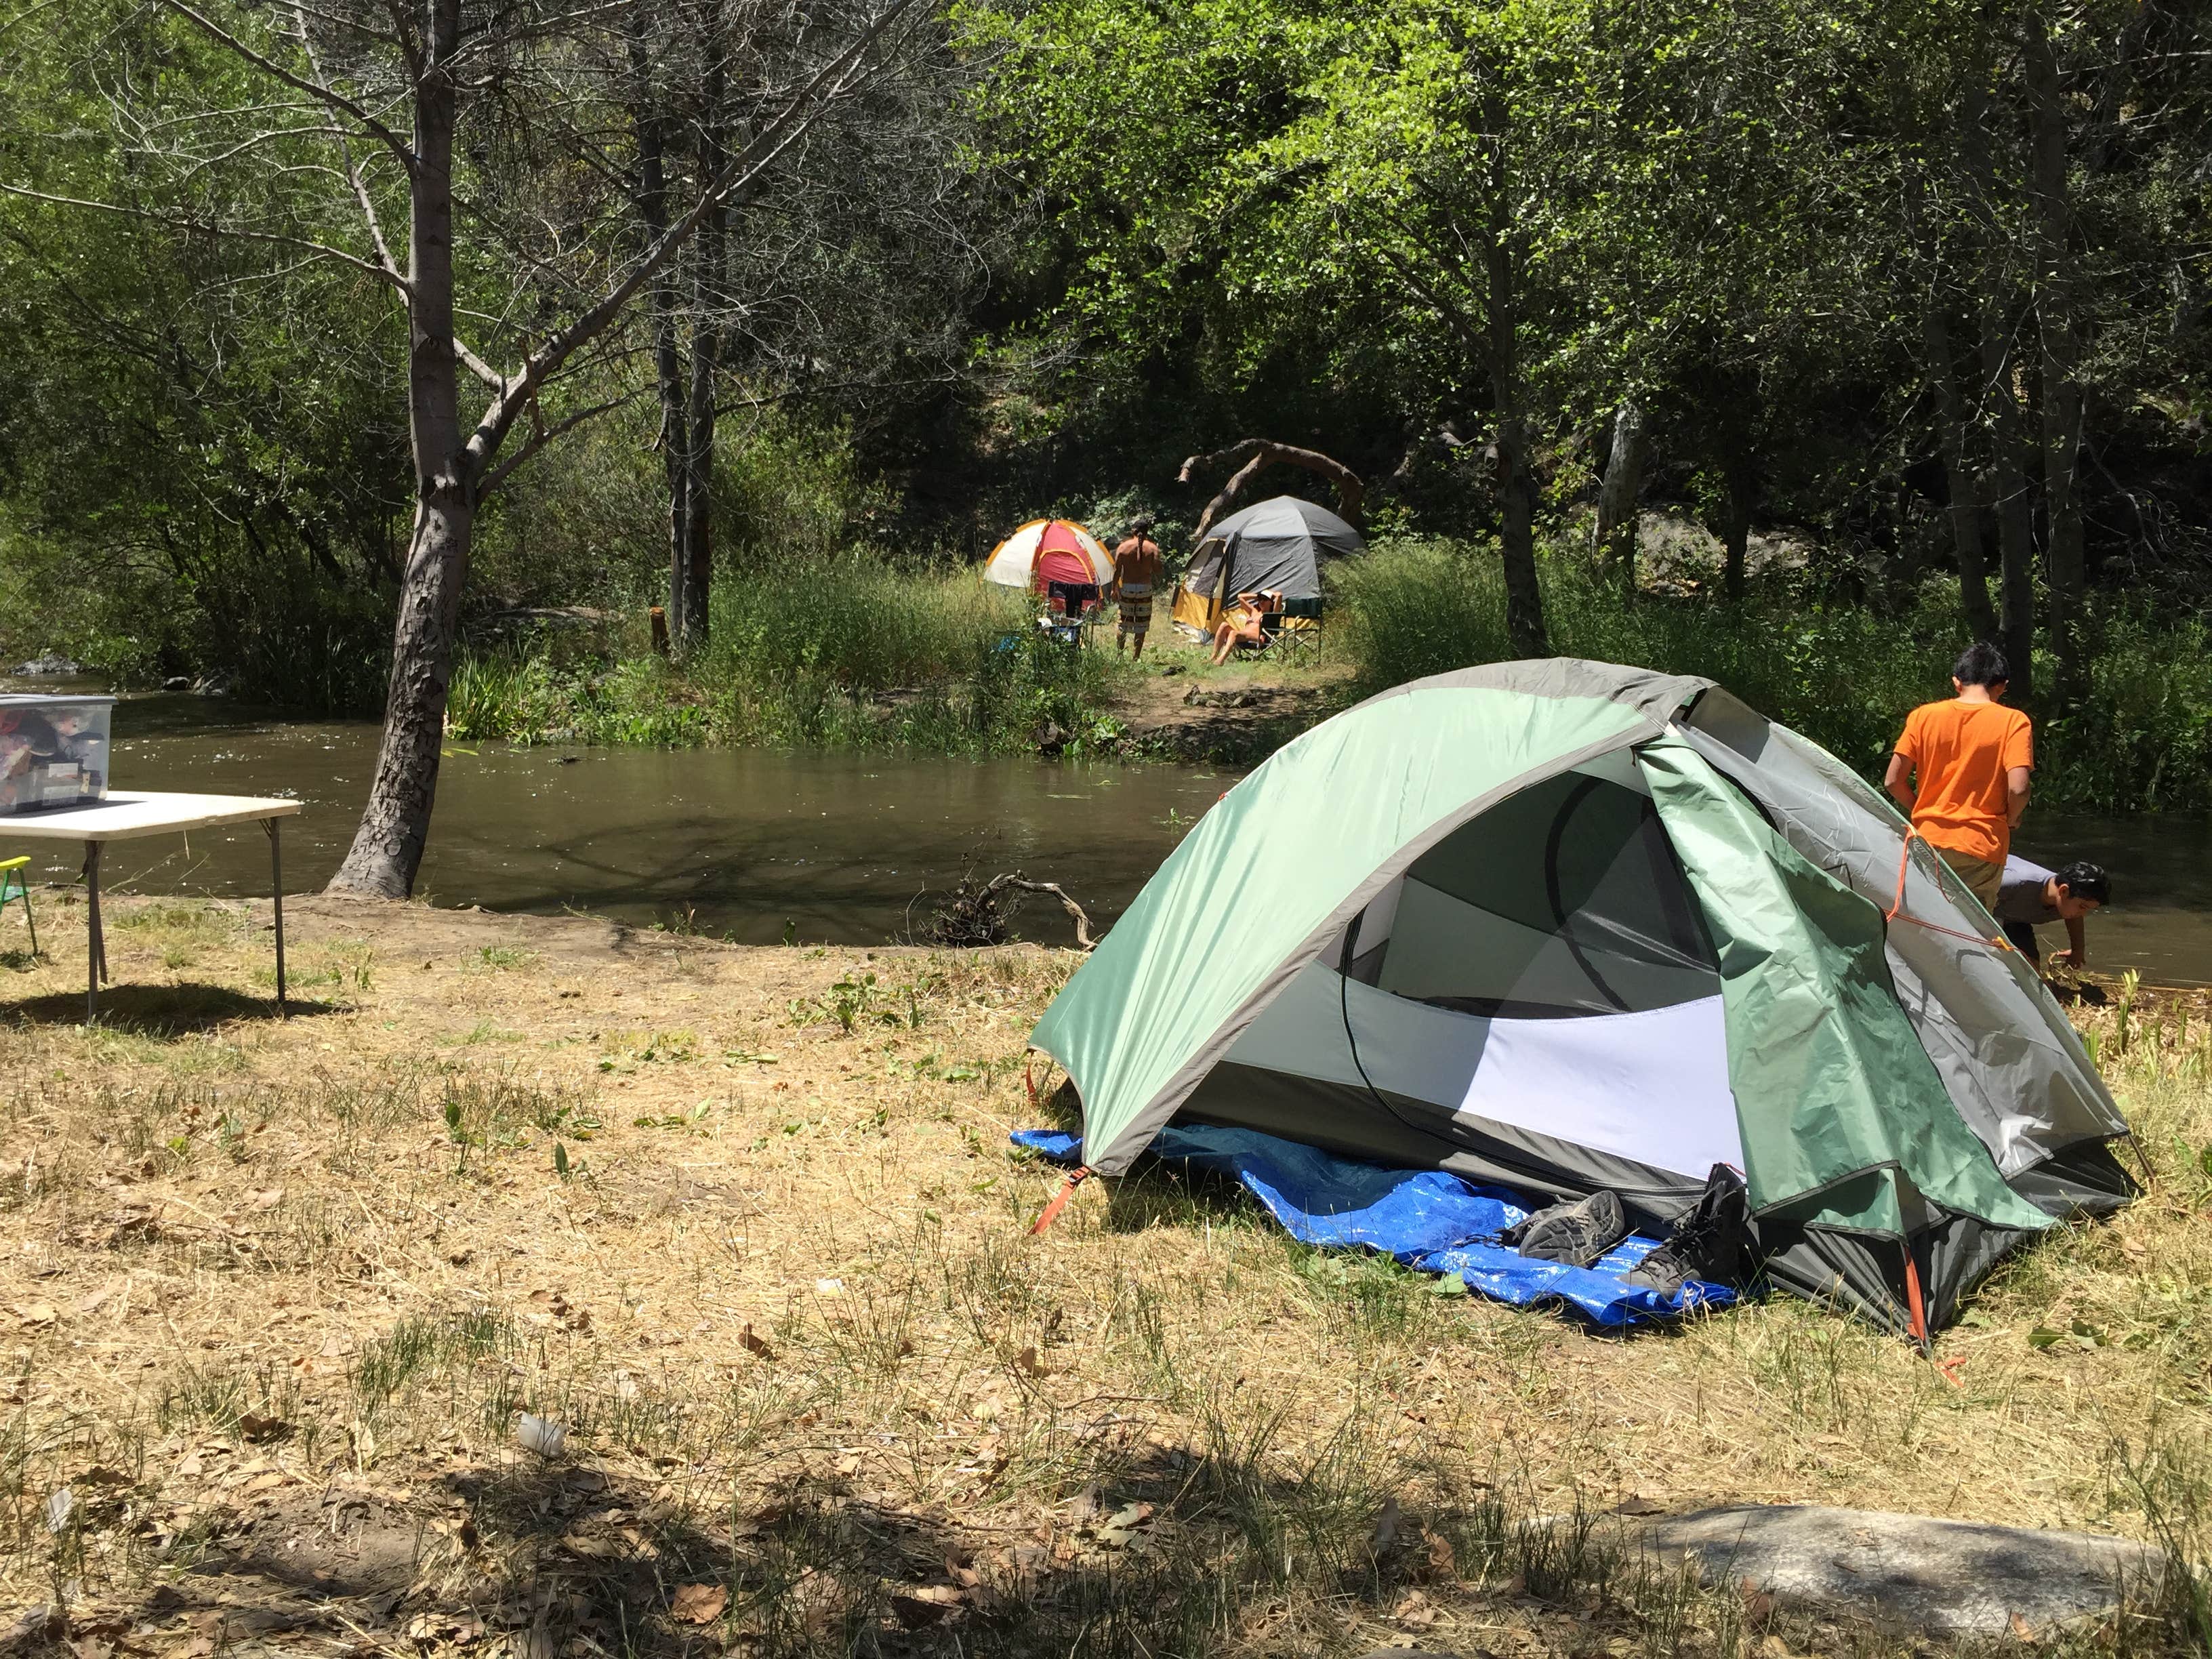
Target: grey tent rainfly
[[1567, 926], [1275, 546]]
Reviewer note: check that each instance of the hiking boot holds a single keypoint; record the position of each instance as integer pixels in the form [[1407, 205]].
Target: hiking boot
[[1707, 1243], [1576, 1233]]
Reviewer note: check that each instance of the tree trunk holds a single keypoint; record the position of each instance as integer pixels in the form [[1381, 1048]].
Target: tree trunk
[[1741, 484], [2062, 360], [708, 295], [1960, 483], [2006, 486], [1616, 500], [1524, 594], [1517, 482], [395, 825], [674, 443]]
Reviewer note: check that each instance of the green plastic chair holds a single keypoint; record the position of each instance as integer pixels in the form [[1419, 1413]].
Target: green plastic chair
[[13, 888]]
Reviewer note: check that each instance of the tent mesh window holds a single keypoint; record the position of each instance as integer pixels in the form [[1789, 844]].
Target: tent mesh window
[[1563, 901]]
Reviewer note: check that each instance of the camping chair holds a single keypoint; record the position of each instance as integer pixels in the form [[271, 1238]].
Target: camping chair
[[1295, 628], [1070, 609], [13, 887]]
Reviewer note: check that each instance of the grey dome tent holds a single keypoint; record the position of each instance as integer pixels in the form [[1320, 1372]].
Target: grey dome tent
[[1274, 546], [1565, 926]]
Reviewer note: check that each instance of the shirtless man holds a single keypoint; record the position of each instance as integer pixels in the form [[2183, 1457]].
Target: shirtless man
[[1136, 573]]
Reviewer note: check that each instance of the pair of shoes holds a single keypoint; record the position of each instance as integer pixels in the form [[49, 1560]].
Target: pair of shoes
[[1708, 1241], [1576, 1233]]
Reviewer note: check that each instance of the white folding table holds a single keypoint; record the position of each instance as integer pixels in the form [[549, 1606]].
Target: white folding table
[[127, 816]]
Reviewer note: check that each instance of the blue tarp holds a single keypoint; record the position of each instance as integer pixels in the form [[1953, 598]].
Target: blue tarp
[[1429, 1220]]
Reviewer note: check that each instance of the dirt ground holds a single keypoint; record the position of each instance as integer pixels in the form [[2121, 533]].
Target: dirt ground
[[542, 1288], [1178, 705]]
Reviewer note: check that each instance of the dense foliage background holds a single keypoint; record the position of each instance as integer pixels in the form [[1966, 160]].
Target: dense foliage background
[[1906, 309]]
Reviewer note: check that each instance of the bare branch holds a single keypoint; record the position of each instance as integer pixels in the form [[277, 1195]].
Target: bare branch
[[544, 435], [336, 100], [210, 227], [747, 165], [353, 173]]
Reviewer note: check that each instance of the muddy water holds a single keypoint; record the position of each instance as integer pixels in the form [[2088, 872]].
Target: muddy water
[[2159, 921], [749, 842], [746, 843]]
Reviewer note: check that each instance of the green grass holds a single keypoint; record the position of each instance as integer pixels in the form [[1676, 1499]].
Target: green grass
[[842, 653], [1832, 667]]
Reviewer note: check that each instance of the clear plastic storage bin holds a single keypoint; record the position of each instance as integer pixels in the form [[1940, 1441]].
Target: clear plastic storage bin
[[53, 752]]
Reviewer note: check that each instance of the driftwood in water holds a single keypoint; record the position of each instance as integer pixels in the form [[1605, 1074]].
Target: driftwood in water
[[982, 912], [1258, 453]]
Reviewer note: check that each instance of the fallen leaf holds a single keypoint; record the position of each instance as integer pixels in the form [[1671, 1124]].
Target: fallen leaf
[[34, 1314], [1442, 1560], [1122, 1525], [2023, 1630], [1088, 1502], [1386, 1528], [1415, 1610], [700, 1604], [755, 1344], [1026, 1360], [258, 1428], [961, 1573], [1635, 1503], [926, 1604], [267, 1199]]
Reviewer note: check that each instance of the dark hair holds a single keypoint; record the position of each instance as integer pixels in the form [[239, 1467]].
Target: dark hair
[[1981, 664], [1142, 524], [2085, 880]]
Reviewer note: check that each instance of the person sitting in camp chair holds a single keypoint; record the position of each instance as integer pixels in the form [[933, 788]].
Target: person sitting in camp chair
[[1240, 628]]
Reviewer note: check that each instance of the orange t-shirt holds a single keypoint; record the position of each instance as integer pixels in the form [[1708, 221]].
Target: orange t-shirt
[[1960, 754]]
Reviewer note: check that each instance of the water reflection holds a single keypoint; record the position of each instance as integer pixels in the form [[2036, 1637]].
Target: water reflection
[[746, 843]]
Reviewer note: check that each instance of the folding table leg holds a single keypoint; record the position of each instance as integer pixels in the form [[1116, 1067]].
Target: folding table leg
[[275, 827], [96, 969]]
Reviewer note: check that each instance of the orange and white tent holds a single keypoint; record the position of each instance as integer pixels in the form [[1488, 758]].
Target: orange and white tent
[[1049, 551]]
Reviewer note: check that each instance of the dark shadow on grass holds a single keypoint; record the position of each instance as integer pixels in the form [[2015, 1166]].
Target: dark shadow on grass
[[158, 1010]]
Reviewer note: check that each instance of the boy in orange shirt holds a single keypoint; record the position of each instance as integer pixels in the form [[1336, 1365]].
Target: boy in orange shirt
[[1961, 772]]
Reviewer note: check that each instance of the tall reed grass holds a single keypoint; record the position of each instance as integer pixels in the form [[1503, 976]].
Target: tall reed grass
[[1830, 665], [841, 653]]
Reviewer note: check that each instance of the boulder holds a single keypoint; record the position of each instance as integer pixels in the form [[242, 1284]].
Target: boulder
[[1909, 1572]]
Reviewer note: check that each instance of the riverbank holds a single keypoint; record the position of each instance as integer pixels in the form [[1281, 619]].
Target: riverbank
[[744, 1221], [855, 654]]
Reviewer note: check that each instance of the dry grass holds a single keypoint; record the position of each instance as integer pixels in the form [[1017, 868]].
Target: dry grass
[[744, 1224]]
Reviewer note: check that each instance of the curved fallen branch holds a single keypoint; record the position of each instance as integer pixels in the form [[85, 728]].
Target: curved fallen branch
[[1258, 453], [1075, 912]]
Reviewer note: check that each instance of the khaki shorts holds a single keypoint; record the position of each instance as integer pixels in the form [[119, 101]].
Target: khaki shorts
[[1983, 878]]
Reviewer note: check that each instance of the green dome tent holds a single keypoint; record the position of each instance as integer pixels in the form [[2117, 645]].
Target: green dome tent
[[1565, 926]]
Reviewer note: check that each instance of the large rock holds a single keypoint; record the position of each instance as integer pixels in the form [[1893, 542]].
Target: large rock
[[1942, 1577]]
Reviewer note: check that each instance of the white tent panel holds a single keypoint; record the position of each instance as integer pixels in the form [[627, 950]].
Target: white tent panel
[[1650, 1086]]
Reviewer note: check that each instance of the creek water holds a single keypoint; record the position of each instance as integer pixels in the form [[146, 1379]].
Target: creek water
[[748, 843], [757, 843]]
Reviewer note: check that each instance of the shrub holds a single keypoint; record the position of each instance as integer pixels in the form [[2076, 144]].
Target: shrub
[[1828, 665]]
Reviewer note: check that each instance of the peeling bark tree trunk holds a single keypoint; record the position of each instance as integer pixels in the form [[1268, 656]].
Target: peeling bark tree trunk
[[1617, 498], [2005, 487], [2062, 359], [1960, 483], [387, 847]]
